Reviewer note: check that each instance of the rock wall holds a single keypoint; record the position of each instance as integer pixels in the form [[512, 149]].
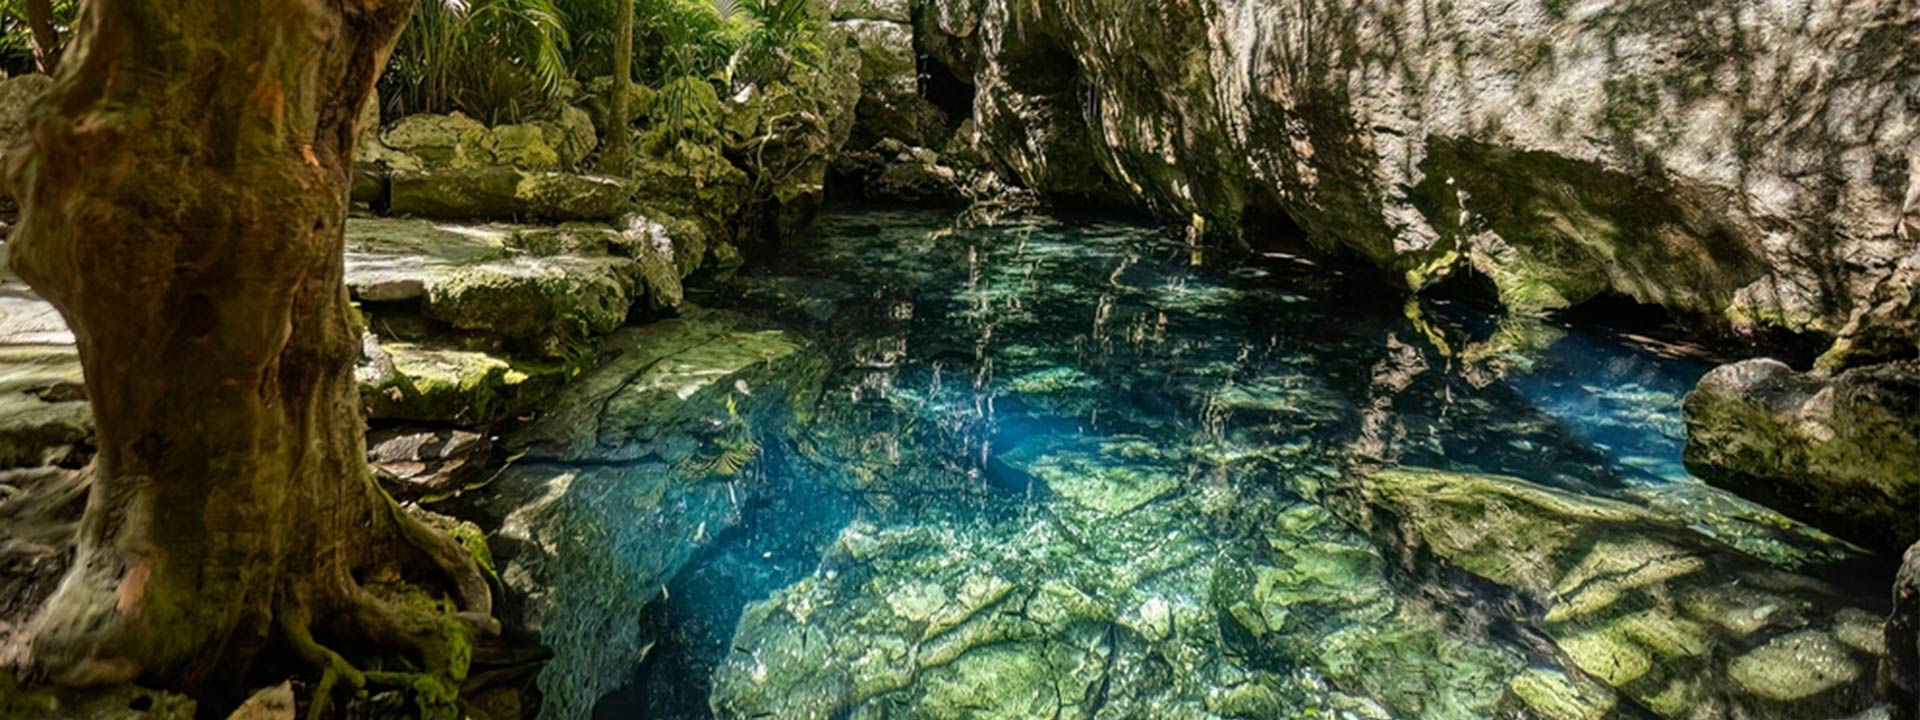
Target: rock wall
[[1748, 160]]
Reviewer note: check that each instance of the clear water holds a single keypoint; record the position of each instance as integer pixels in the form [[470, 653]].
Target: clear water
[[1098, 410]]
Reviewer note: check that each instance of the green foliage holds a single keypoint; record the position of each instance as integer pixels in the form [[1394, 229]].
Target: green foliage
[[496, 60], [16, 41], [723, 45]]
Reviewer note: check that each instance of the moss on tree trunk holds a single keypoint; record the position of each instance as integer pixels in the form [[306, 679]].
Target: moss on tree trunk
[[183, 201]]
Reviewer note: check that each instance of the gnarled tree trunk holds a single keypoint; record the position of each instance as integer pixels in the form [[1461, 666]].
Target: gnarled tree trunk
[[183, 201]]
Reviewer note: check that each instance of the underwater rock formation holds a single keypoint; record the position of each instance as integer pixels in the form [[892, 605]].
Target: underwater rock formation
[[1625, 596], [1841, 453], [630, 469], [1747, 162]]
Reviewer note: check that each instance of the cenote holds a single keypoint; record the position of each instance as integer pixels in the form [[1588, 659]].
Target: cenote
[[959, 360], [1060, 467]]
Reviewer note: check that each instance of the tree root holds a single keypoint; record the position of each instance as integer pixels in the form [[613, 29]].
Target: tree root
[[435, 636], [470, 584]]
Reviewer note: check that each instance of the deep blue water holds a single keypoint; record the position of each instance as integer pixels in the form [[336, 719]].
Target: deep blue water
[[957, 354]]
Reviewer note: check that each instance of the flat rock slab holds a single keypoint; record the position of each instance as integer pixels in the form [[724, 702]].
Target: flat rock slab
[[473, 277], [43, 407], [660, 380]]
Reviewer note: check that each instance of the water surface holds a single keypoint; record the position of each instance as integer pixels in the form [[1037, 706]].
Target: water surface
[[1135, 437]]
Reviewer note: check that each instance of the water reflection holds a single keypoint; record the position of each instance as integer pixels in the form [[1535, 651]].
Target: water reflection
[[1068, 432]]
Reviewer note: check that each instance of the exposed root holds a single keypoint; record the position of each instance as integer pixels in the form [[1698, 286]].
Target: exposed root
[[470, 584], [333, 667]]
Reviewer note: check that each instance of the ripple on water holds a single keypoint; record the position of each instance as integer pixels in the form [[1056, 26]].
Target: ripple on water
[[1052, 469]]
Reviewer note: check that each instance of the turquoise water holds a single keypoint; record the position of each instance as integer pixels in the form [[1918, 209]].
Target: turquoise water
[[1067, 467]]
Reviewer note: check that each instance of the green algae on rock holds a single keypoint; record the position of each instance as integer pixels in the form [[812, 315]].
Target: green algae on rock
[[1841, 453], [436, 382], [1624, 595]]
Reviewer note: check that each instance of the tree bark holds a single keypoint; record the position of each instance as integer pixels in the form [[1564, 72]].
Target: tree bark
[[183, 203], [46, 40], [619, 136]]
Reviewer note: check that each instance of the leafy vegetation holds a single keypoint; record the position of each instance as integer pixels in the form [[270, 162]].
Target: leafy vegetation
[[496, 60], [16, 36], [510, 60]]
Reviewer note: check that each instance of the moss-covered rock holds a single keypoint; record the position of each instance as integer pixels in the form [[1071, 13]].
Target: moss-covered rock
[[456, 194], [662, 384], [1840, 453], [44, 418], [442, 141], [560, 298], [526, 147], [506, 193], [446, 383], [1678, 624], [1555, 161]]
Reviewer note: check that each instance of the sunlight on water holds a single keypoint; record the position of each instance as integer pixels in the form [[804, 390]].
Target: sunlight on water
[[1053, 469]]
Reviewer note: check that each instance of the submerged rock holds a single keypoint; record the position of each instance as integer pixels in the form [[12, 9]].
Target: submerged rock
[[1841, 453], [665, 388], [1678, 624]]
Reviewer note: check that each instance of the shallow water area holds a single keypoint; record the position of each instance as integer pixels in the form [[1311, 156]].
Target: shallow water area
[[1069, 467]]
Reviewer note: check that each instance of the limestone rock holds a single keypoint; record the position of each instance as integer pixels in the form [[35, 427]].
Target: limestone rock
[[1522, 140], [1681, 625], [588, 548], [506, 193], [662, 384], [526, 298], [441, 383], [489, 192], [442, 141], [890, 103], [44, 417], [525, 147], [1840, 453], [898, 11], [422, 464]]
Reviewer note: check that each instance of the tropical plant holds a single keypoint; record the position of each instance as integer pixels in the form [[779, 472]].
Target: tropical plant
[[17, 35], [497, 60], [780, 35]]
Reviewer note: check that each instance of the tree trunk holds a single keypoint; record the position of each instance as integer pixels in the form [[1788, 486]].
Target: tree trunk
[[183, 205], [619, 141], [46, 41]]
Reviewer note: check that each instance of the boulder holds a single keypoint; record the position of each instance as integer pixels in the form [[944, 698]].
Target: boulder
[[1841, 453], [897, 11], [539, 288], [1673, 621], [489, 192], [890, 104], [568, 196], [1523, 141], [507, 193], [525, 147], [441, 382], [527, 298], [572, 135], [442, 141]]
